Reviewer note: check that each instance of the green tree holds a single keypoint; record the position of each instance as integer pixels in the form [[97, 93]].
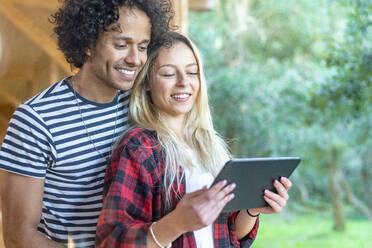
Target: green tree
[[272, 69]]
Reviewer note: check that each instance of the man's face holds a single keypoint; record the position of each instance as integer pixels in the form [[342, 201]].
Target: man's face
[[121, 51]]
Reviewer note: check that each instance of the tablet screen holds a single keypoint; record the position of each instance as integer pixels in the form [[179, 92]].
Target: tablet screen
[[252, 176]]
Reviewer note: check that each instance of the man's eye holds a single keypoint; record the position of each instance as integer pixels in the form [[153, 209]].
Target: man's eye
[[120, 45], [142, 48], [168, 75]]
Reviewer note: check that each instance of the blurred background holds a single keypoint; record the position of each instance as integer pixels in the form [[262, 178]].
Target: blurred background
[[286, 78]]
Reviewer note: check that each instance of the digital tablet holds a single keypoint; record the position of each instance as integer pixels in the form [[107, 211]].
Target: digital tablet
[[252, 176]]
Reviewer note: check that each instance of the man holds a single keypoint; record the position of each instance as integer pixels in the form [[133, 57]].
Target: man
[[57, 144]]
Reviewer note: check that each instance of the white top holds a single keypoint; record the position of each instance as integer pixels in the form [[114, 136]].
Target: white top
[[196, 179]]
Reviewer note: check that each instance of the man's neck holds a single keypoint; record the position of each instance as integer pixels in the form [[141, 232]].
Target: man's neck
[[92, 90]]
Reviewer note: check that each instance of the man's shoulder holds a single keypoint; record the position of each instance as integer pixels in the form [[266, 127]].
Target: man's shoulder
[[50, 94]]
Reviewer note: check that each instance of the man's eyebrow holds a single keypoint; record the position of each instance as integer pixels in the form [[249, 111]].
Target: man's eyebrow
[[125, 38], [145, 41], [122, 38]]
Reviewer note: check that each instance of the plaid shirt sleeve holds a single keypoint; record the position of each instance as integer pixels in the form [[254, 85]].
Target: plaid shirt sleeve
[[247, 241], [127, 209], [225, 234]]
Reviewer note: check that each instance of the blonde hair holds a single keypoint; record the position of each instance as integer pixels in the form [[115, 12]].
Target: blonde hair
[[209, 148]]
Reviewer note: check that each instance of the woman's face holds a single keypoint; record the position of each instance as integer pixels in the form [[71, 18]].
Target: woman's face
[[174, 83]]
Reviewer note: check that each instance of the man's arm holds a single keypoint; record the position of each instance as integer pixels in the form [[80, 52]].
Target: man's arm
[[21, 201]]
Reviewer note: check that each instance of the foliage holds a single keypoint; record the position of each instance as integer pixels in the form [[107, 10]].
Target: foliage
[[345, 97], [293, 78], [350, 88]]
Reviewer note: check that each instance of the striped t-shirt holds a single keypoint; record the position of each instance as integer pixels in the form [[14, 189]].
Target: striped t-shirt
[[50, 137]]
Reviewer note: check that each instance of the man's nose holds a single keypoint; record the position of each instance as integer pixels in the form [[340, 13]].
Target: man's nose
[[132, 58]]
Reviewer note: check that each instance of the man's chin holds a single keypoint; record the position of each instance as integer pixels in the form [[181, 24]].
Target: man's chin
[[126, 85]]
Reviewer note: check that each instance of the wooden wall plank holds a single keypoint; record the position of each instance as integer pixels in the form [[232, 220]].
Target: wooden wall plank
[[36, 34], [9, 97], [51, 4]]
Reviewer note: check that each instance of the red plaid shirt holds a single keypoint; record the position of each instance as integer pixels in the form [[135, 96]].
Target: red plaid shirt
[[134, 198]]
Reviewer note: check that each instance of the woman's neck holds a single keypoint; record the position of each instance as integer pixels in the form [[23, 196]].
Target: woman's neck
[[177, 125]]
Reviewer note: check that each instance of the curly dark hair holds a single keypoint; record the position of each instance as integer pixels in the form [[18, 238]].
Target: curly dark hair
[[80, 22]]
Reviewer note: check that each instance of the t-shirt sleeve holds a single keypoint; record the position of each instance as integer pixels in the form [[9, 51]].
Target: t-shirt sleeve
[[27, 148]]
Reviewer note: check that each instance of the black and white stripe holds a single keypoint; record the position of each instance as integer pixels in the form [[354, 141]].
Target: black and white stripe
[[47, 139]]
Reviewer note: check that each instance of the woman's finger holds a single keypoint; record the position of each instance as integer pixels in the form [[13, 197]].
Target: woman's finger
[[215, 207], [218, 191], [217, 187], [228, 198], [286, 183], [273, 204], [225, 191], [282, 191], [217, 199], [276, 198], [209, 208]]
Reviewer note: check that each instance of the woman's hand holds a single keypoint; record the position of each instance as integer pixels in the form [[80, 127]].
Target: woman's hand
[[194, 211], [201, 208], [276, 201]]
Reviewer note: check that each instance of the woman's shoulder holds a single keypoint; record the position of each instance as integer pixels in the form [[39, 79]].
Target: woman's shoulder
[[140, 145], [139, 136]]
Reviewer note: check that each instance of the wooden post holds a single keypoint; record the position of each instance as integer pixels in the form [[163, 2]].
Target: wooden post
[[202, 5], [180, 20], [3, 48]]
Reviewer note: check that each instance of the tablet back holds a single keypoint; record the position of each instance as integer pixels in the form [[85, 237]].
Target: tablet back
[[252, 176]]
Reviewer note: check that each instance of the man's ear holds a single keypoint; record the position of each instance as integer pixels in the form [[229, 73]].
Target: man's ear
[[88, 52]]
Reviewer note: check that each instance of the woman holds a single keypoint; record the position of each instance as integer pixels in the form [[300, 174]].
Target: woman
[[156, 190]]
